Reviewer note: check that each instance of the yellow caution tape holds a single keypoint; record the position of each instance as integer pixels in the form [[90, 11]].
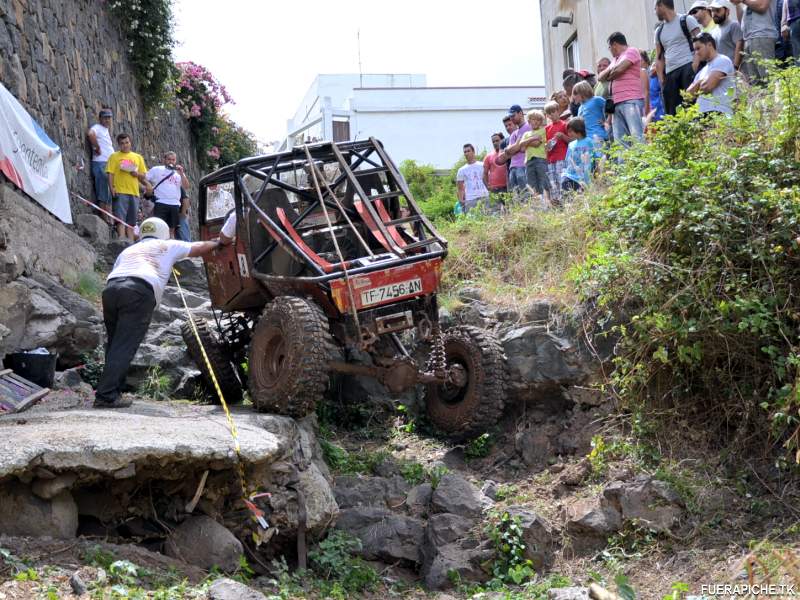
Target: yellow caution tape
[[258, 514]]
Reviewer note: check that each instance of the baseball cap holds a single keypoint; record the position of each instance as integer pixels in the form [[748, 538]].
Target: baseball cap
[[105, 113], [515, 108], [721, 4], [697, 5]]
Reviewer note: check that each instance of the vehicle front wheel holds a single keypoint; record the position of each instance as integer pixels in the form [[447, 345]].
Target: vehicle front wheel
[[223, 367], [289, 355], [463, 412]]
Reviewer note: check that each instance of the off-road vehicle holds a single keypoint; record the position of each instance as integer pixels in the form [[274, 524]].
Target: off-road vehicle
[[334, 259]]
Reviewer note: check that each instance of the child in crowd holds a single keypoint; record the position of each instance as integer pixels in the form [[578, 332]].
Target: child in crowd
[[593, 112], [580, 154], [557, 140], [533, 142], [653, 102]]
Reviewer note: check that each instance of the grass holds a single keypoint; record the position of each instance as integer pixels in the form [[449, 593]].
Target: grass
[[522, 254], [88, 284]]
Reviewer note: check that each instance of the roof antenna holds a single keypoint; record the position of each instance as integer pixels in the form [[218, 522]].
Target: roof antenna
[[360, 73]]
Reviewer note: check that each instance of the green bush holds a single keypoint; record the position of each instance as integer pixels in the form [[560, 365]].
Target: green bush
[[147, 26], [334, 562], [695, 260]]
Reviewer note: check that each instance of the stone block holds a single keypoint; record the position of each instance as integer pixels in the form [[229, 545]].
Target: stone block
[[93, 227], [24, 514], [38, 240]]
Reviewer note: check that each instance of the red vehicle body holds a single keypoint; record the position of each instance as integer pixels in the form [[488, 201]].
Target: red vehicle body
[[331, 255]]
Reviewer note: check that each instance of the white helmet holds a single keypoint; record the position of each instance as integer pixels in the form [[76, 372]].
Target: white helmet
[[153, 227]]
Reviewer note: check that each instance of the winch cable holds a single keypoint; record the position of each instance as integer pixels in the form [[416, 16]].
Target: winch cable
[[347, 280], [257, 513]]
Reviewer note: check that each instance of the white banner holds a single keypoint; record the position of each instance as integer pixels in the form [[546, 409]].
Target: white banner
[[30, 159]]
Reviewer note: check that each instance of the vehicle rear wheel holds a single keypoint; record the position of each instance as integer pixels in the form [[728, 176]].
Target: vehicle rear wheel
[[220, 362], [289, 355], [464, 412]]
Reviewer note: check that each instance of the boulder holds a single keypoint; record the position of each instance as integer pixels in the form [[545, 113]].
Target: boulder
[[172, 297], [67, 380], [40, 312], [568, 593], [321, 507], [446, 529], [539, 361], [203, 542], [541, 311], [48, 489], [384, 535], [470, 294], [456, 495], [452, 549], [535, 445], [647, 500], [458, 562], [538, 536], [591, 521], [25, 514], [193, 275], [489, 489], [15, 305], [111, 251], [93, 227], [228, 589], [352, 491], [419, 499]]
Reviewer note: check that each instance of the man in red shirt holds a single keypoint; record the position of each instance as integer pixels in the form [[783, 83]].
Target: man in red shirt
[[495, 177], [627, 92]]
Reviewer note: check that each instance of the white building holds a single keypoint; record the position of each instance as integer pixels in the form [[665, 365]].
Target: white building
[[575, 32], [427, 124]]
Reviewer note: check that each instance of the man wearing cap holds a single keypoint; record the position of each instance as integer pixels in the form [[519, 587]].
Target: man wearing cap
[[99, 136], [700, 11], [728, 36], [760, 35], [517, 176], [133, 290]]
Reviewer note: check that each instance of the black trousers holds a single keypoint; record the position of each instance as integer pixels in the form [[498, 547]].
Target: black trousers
[[675, 82], [128, 305]]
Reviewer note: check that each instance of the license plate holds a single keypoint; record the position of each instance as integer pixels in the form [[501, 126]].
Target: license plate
[[391, 291]]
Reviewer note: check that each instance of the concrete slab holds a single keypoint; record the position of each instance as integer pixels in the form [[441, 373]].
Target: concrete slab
[[105, 441]]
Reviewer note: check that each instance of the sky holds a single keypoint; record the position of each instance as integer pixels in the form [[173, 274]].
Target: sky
[[267, 54]]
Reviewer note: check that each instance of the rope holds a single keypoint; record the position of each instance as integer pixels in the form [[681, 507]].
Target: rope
[[256, 513], [105, 212]]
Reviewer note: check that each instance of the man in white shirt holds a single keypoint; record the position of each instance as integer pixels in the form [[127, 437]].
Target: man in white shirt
[[714, 84], [99, 136], [133, 290], [469, 179], [167, 181]]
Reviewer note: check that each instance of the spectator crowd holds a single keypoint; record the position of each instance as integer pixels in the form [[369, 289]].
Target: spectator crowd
[[128, 192], [703, 57]]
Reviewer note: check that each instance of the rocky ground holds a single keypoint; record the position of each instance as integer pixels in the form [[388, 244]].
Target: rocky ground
[[561, 493]]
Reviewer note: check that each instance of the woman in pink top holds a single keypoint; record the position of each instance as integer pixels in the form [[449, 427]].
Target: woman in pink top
[[624, 73]]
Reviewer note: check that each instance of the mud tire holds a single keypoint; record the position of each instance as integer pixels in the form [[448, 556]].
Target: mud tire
[[474, 409], [223, 367], [289, 355]]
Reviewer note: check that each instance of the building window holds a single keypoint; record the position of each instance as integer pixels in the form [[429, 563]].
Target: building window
[[571, 57]]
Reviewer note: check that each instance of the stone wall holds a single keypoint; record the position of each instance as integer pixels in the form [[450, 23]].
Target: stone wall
[[34, 241], [63, 60]]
